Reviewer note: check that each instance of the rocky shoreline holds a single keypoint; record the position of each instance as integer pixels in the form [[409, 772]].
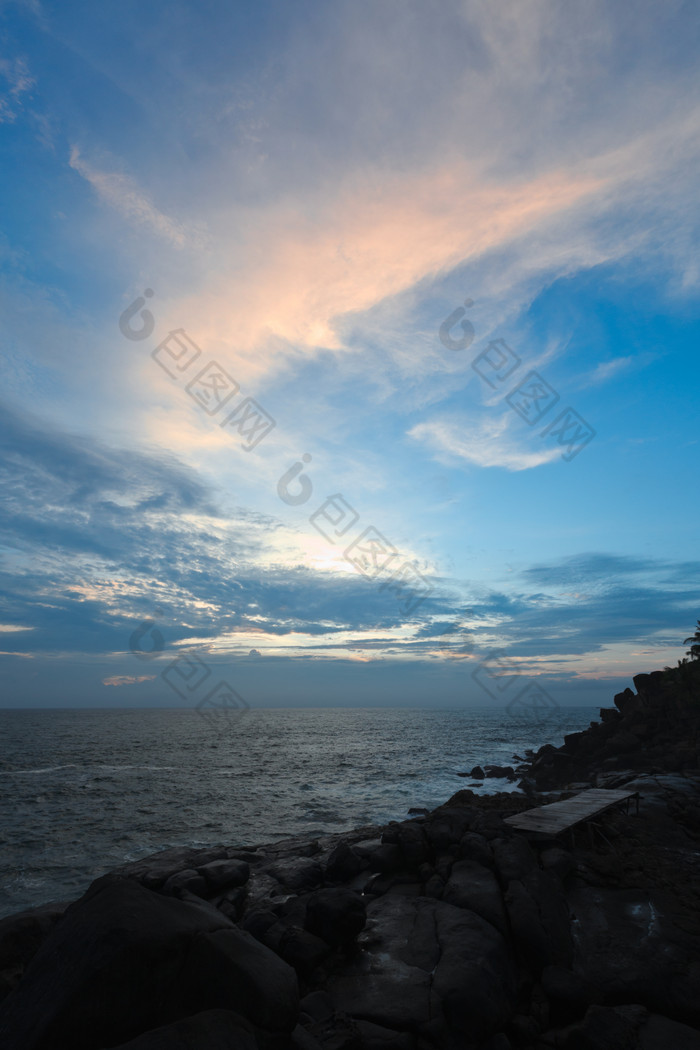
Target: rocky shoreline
[[447, 930]]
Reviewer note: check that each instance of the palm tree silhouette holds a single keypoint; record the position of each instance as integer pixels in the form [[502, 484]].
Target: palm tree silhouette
[[694, 643]]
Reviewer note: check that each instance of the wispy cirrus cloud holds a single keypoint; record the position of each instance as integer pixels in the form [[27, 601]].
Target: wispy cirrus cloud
[[19, 81], [490, 442], [127, 679], [122, 193]]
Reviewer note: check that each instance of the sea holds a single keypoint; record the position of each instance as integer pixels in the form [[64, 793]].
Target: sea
[[83, 791]]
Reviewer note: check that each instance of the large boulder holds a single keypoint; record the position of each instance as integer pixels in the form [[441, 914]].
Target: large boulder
[[629, 1027], [296, 874], [428, 968], [208, 1030], [220, 874], [446, 825], [539, 920], [474, 887], [412, 843], [101, 976], [344, 863], [21, 936], [153, 871], [124, 960], [514, 858], [633, 945], [504, 772], [336, 915], [230, 969]]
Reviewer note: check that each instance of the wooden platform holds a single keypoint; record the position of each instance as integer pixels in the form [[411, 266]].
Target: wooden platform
[[561, 816]]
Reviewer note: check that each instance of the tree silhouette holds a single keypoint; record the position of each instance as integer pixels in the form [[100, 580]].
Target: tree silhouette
[[694, 643]]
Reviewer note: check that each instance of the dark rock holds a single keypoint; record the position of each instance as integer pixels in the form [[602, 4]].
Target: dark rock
[[434, 887], [344, 863], [21, 936], [497, 1042], [504, 772], [318, 1005], [614, 779], [302, 1039], [188, 881], [105, 972], [258, 921], [397, 882], [558, 861], [632, 945], [625, 742], [443, 865], [573, 740], [418, 811], [231, 969], [374, 1037], [524, 1029], [297, 874], [514, 859], [473, 846], [208, 1030], [302, 950], [425, 959], [473, 981], [569, 996], [539, 920], [336, 915], [339, 1032], [622, 700], [474, 887], [412, 843], [385, 856], [445, 827], [219, 874], [477, 773], [155, 869], [527, 786], [232, 902], [660, 1033], [641, 683], [629, 1028]]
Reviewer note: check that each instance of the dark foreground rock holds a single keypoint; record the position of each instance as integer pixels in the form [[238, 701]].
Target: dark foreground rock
[[450, 930]]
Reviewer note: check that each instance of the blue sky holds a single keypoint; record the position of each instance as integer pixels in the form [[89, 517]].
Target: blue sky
[[309, 191]]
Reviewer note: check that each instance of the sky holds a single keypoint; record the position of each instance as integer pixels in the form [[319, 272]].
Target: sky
[[350, 351]]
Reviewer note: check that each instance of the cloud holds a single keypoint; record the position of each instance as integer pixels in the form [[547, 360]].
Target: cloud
[[122, 193], [486, 443], [365, 241], [19, 81], [127, 679]]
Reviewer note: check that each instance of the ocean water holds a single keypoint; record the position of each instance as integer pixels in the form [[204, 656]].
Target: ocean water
[[82, 791]]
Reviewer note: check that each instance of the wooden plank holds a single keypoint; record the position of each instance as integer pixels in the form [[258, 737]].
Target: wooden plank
[[559, 816]]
